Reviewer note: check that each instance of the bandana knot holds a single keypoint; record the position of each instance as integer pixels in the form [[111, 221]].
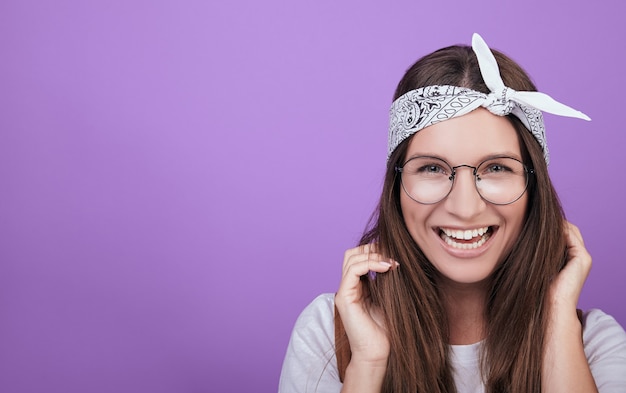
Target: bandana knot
[[500, 103]]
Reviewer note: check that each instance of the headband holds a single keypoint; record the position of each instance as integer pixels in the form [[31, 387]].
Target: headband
[[420, 108]]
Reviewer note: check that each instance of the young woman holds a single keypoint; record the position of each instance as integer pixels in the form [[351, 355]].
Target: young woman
[[468, 277]]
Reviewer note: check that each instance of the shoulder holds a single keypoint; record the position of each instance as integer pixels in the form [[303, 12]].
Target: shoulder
[[600, 328], [310, 363], [605, 349], [314, 330], [321, 310]]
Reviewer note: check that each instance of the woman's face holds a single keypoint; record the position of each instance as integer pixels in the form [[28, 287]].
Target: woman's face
[[439, 228]]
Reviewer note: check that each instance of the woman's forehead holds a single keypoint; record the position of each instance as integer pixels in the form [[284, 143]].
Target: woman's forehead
[[467, 138]]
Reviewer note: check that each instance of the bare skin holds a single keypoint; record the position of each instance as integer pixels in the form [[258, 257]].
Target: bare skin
[[465, 305]]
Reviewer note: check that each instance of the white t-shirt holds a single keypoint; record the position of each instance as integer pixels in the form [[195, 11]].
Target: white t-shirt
[[310, 364]]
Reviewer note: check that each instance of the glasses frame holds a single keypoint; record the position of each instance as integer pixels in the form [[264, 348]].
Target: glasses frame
[[527, 171]]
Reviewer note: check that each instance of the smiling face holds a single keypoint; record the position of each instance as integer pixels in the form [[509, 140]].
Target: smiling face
[[464, 236]]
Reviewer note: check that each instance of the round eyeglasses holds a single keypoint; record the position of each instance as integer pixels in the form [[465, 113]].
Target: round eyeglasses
[[498, 180]]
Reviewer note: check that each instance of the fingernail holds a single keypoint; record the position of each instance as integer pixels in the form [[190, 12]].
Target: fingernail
[[372, 275], [385, 264]]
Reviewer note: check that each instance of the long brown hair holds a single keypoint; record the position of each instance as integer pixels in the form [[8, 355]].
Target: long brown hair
[[409, 297]]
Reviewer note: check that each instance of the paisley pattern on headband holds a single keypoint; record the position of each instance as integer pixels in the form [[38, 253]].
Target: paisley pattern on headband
[[420, 108]]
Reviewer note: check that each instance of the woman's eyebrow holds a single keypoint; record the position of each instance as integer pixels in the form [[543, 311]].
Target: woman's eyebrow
[[489, 156], [421, 154], [502, 154]]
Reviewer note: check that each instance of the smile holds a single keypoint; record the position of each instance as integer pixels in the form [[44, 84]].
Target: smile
[[465, 239]]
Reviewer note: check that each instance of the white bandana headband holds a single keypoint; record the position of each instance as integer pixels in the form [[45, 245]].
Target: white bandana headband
[[420, 108]]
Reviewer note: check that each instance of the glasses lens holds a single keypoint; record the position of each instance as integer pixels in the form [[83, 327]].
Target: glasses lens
[[426, 179], [501, 180]]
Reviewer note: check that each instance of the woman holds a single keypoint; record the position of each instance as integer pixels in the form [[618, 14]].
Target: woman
[[469, 276]]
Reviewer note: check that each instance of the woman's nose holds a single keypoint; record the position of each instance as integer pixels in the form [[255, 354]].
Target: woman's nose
[[464, 201]]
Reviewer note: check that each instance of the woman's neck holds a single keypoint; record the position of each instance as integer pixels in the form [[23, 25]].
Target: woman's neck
[[465, 305]]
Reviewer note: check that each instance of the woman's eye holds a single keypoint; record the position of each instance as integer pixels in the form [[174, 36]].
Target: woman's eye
[[497, 168], [433, 169], [503, 166], [427, 167]]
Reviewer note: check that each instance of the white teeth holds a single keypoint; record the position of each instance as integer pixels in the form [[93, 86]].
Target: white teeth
[[466, 234], [449, 235], [465, 246]]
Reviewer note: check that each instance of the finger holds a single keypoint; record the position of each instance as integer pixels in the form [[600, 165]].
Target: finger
[[575, 241], [573, 233], [362, 249], [577, 253], [353, 273], [358, 258], [358, 254]]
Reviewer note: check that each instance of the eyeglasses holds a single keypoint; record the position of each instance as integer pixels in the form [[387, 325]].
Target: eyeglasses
[[498, 180]]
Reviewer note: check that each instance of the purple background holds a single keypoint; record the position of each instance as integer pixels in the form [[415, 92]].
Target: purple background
[[178, 179]]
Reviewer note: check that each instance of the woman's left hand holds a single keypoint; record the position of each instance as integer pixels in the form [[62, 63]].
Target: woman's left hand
[[565, 367], [568, 284]]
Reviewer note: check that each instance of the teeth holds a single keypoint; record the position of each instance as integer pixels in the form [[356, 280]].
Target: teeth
[[449, 235], [466, 246], [465, 235]]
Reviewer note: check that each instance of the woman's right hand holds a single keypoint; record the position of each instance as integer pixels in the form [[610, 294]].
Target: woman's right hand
[[362, 322]]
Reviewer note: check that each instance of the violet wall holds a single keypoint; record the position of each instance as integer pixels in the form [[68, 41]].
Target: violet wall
[[178, 179]]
